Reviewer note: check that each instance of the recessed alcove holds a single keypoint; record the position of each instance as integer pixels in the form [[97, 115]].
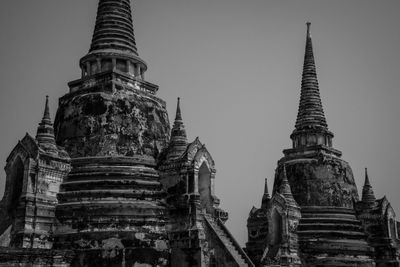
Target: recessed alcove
[[204, 180]]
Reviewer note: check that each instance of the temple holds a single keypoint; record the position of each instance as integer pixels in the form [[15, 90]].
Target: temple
[[315, 217], [111, 183]]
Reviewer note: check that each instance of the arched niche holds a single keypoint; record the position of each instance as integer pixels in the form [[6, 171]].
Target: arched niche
[[204, 187], [392, 225], [391, 221], [276, 228]]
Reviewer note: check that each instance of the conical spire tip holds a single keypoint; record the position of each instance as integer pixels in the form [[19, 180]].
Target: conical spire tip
[[284, 171], [308, 28], [285, 186], [368, 195], [45, 131], [266, 187], [366, 178], [46, 114], [178, 110], [266, 197]]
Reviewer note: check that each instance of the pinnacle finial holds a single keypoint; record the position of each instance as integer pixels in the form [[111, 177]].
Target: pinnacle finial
[[285, 189], [266, 193], [178, 110], [366, 178], [178, 140], [266, 197], [45, 131], [368, 195], [46, 113]]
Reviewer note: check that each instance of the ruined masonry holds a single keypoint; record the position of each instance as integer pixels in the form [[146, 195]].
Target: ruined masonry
[[112, 184], [314, 217]]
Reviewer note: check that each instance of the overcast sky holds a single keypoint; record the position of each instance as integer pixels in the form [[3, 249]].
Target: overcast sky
[[237, 67]]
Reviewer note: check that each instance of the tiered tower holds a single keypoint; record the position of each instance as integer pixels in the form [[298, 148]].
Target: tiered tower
[[112, 124], [322, 184], [130, 191], [134, 195]]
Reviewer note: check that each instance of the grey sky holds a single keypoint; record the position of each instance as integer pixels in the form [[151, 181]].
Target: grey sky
[[237, 67]]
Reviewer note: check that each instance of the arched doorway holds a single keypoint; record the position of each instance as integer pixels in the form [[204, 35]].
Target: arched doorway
[[276, 233], [204, 181]]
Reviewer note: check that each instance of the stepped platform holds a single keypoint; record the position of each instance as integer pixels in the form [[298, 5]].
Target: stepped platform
[[333, 236]]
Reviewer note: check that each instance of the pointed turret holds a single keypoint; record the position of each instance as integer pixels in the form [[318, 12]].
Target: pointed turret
[[46, 113], [266, 197], [178, 141], [311, 127], [113, 45], [285, 189], [368, 195], [45, 130], [178, 115]]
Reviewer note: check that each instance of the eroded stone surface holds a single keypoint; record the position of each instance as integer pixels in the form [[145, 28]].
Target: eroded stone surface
[[319, 182], [118, 123]]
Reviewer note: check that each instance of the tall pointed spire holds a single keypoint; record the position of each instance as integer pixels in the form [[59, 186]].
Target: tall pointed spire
[[311, 128], [311, 113], [178, 141], [266, 197], [114, 29], [45, 130], [368, 195]]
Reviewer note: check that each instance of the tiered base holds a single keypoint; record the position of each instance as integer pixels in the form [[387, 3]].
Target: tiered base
[[332, 236], [111, 210]]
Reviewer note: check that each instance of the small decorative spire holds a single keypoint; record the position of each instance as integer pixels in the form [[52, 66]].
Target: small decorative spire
[[285, 189], [45, 130], [311, 113], [368, 195], [266, 197], [178, 141], [178, 115], [366, 183], [266, 194], [46, 114], [308, 29]]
